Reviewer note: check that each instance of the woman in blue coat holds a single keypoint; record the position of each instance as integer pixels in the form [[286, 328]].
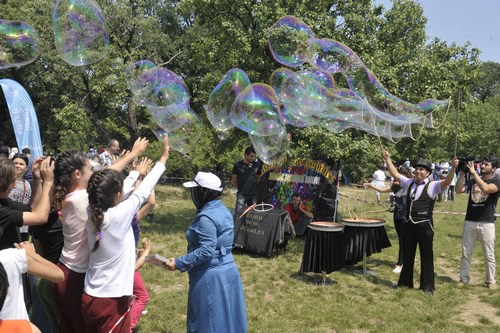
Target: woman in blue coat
[[216, 302]]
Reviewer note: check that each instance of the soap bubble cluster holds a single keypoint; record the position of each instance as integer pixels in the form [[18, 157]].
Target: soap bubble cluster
[[166, 97], [310, 97]]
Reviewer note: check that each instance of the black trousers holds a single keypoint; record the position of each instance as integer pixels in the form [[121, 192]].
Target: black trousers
[[423, 235], [398, 224]]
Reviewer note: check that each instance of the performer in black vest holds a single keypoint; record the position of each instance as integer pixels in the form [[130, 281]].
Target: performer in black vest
[[418, 227]]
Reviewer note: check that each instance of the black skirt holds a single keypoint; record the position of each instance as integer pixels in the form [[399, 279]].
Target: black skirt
[[357, 240]]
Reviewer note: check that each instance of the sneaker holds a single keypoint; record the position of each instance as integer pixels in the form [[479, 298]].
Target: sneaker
[[397, 269], [462, 284], [492, 286]]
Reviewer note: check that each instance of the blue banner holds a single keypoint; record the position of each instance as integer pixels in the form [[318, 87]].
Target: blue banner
[[23, 116]]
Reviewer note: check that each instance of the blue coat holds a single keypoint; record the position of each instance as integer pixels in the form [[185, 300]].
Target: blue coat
[[216, 302]]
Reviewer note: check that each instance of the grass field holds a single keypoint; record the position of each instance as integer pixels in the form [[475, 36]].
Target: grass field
[[280, 299]]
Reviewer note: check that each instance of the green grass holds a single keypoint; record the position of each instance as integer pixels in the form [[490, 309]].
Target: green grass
[[280, 299]]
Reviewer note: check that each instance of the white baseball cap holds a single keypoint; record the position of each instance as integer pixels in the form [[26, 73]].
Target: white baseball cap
[[207, 180]]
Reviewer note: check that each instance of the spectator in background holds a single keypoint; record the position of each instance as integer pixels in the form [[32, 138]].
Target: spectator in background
[[245, 176], [451, 188], [379, 181], [22, 189], [109, 156], [299, 215], [398, 209], [13, 151], [480, 217], [29, 172], [91, 152]]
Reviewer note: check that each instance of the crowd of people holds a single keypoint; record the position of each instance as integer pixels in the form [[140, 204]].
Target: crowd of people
[[83, 212]]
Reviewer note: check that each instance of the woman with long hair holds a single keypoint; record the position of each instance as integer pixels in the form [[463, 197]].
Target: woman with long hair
[[22, 190]]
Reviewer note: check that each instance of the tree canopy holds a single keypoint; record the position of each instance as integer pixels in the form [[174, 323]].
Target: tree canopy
[[202, 39]]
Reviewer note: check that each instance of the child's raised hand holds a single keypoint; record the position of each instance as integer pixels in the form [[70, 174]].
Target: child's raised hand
[[143, 166], [166, 150], [140, 146]]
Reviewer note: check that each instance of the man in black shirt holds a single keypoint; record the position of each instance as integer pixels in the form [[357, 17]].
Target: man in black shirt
[[245, 176], [480, 217]]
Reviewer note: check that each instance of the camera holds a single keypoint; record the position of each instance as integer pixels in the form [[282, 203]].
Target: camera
[[462, 163]]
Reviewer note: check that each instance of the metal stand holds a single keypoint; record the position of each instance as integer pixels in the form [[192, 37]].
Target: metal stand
[[364, 270], [325, 281]]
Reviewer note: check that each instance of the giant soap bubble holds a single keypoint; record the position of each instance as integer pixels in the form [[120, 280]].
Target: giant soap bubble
[[336, 57], [184, 130], [18, 44], [256, 111], [272, 148], [80, 31], [222, 98], [157, 86], [289, 40]]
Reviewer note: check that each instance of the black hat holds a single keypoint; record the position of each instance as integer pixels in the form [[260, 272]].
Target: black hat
[[423, 163]]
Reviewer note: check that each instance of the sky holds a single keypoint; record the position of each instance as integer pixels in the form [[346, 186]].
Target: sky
[[459, 21]]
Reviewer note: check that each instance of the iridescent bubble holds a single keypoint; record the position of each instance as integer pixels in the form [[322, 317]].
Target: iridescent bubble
[[117, 63], [185, 136], [325, 78], [337, 57], [111, 79], [278, 77], [80, 32], [273, 148], [171, 117], [18, 44], [305, 100], [255, 110], [223, 135], [222, 98], [134, 70], [289, 40], [159, 87]]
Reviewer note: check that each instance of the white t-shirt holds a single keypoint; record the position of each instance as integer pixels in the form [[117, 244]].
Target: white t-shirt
[[111, 266], [15, 263], [75, 252], [379, 176]]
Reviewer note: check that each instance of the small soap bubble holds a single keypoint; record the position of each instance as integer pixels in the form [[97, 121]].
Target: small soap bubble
[[19, 44]]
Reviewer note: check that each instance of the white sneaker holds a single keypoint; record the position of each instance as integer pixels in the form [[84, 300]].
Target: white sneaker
[[397, 269]]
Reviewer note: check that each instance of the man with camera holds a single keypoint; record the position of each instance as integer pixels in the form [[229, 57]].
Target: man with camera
[[418, 227], [480, 216]]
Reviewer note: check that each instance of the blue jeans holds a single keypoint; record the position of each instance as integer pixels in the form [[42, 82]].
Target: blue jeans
[[244, 200]]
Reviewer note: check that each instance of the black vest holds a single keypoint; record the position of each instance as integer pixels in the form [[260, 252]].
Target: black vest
[[419, 210]]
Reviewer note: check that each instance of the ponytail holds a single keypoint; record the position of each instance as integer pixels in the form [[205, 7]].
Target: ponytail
[[102, 190]]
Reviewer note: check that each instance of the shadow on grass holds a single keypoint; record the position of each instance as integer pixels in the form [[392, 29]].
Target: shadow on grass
[[313, 279]]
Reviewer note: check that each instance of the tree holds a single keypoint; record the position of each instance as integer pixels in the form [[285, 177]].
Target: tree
[[202, 39], [489, 84]]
